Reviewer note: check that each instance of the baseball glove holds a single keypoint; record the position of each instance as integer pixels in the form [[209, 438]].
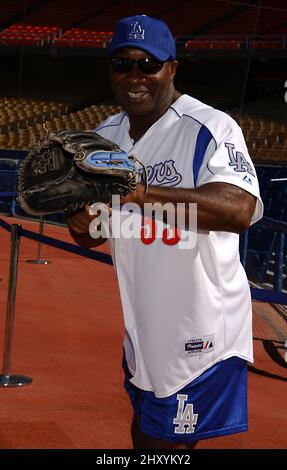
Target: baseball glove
[[67, 170]]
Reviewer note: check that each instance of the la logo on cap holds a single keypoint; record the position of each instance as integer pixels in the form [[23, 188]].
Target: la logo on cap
[[136, 31]]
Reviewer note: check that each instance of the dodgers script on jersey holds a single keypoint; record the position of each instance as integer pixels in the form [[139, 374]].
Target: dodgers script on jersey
[[184, 310]]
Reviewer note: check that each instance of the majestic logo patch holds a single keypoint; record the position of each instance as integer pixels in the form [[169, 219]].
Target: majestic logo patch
[[247, 179], [136, 31], [238, 161], [201, 345], [185, 419]]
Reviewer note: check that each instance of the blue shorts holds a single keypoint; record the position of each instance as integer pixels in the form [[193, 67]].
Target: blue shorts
[[214, 404]]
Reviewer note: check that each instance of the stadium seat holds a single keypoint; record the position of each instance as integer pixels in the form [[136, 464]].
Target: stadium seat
[[261, 243]]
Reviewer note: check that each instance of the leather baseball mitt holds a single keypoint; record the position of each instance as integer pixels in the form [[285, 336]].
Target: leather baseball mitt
[[67, 170]]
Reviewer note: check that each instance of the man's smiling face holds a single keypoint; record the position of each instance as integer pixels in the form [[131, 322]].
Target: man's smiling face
[[141, 93]]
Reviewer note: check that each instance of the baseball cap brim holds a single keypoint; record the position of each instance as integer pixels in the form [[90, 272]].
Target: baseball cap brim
[[158, 54]]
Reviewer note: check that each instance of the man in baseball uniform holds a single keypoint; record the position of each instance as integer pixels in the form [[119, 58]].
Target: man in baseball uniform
[[187, 312]]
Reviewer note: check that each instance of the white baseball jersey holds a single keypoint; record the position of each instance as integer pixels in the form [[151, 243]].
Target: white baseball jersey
[[184, 309]]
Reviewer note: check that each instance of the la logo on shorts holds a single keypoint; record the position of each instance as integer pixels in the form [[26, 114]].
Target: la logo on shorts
[[185, 418]]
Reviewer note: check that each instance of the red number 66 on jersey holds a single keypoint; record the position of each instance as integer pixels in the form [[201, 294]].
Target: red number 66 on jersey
[[151, 229]]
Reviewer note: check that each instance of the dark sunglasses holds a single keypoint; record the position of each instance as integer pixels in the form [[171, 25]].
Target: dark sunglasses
[[148, 65]]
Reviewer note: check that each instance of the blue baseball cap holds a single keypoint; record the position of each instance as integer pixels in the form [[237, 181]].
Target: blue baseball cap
[[143, 32]]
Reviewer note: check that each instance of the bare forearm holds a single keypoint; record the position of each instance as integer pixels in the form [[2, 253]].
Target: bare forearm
[[220, 206]]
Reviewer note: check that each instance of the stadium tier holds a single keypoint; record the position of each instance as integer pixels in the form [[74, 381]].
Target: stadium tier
[[213, 24], [21, 123], [22, 120]]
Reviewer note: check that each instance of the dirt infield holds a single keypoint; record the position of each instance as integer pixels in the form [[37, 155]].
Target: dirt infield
[[68, 338]]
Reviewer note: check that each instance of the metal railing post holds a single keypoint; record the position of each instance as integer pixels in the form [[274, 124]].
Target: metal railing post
[[39, 260], [7, 380]]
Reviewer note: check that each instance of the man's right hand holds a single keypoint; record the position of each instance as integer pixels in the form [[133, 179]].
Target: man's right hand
[[78, 225]]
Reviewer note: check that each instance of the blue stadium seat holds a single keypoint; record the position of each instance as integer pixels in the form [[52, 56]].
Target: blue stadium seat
[[261, 243], [8, 183]]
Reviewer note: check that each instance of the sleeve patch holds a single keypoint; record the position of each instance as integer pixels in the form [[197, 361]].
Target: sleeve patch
[[238, 161]]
